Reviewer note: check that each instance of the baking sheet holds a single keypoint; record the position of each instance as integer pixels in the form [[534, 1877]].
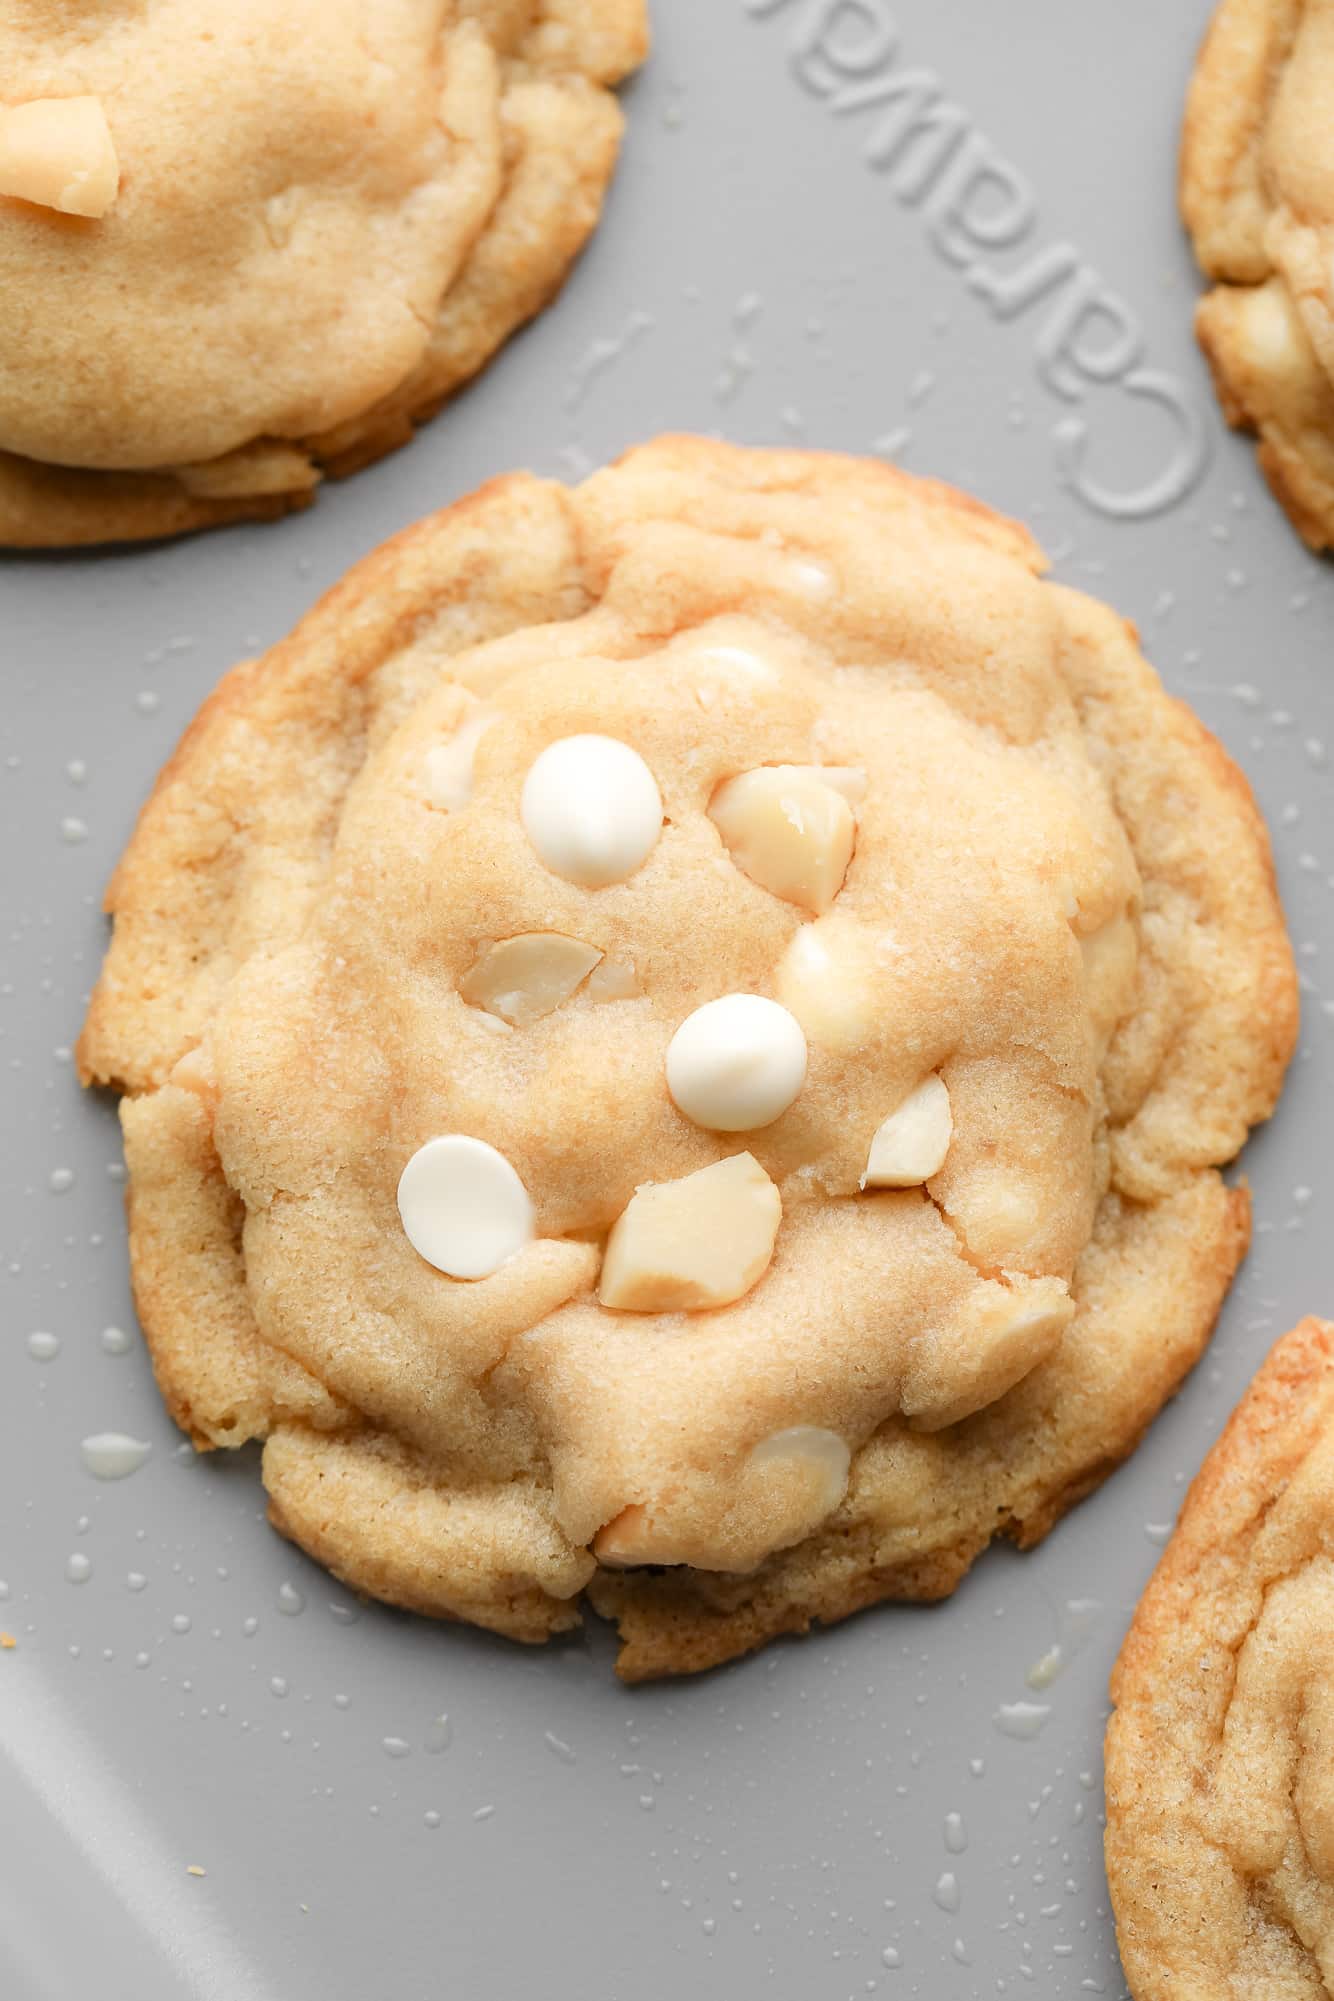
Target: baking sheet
[[872, 1810]]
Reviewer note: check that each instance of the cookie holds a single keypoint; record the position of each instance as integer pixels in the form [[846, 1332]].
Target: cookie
[[677, 1040], [1257, 194], [244, 248], [1220, 1786]]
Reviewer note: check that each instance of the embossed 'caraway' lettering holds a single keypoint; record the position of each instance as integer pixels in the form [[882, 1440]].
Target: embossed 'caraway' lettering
[[847, 53]]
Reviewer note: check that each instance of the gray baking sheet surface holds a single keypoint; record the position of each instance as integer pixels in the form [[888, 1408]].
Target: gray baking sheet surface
[[945, 234]]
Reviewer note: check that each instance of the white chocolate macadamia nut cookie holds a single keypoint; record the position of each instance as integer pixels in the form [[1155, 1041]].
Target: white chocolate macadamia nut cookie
[[1257, 194], [243, 247], [594, 1164], [1220, 1754]]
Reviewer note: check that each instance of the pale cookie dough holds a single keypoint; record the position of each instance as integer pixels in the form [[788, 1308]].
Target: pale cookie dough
[[243, 247], [1257, 194], [933, 1222], [1220, 1755]]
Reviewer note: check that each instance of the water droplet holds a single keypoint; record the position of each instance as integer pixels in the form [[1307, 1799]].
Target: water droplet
[[43, 1347], [342, 1701], [73, 830], [61, 1180], [346, 1615], [1044, 1672], [960, 1952], [113, 1455], [431, 1817], [1021, 1719], [290, 1600], [484, 1813], [147, 701], [136, 1580], [141, 1660], [115, 1341], [439, 1734], [559, 1746], [891, 1956], [78, 1568], [397, 1747], [278, 1684], [181, 1623], [946, 1892], [1159, 1532], [250, 1627], [4, 1588], [956, 1834], [891, 443]]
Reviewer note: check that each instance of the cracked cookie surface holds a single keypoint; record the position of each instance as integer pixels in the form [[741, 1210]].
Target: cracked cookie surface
[[1257, 194], [1220, 1754], [327, 217], [816, 956]]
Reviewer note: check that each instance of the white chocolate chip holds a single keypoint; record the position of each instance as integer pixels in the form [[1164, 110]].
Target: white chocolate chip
[[592, 809], [614, 979], [788, 831], [522, 979], [463, 1207], [811, 1464], [911, 1144], [449, 765], [737, 1063], [681, 1246], [59, 153]]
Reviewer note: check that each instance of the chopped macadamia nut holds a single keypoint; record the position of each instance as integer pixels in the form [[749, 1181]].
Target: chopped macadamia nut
[[58, 152], [680, 1246], [632, 1539], [911, 1144], [613, 980], [1005, 1329], [522, 979], [809, 1466], [1277, 343], [194, 1072], [789, 831]]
